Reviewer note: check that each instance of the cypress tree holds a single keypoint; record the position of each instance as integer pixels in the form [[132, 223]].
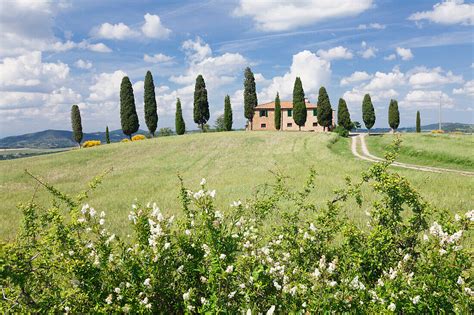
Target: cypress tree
[[201, 105], [299, 106], [76, 124], [418, 121], [277, 112], [393, 115], [107, 136], [250, 95], [179, 121], [368, 112], [324, 109], [128, 112], [151, 116], [227, 113], [343, 116]]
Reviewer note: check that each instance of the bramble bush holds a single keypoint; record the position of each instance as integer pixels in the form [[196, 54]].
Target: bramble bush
[[410, 259]]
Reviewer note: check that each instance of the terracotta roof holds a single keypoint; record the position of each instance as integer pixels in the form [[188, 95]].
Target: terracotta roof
[[283, 104]]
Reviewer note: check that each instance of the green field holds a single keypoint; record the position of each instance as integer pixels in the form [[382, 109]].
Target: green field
[[234, 163], [441, 150], [8, 154]]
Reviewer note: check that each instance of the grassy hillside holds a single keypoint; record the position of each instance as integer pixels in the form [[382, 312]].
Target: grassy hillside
[[442, 150], [233, 163]]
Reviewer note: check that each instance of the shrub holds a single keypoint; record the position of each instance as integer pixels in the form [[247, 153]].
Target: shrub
[[211, 261], [340, 130], [437, 131], [138, 137], [166, 132], [125, 140], [90, 143]]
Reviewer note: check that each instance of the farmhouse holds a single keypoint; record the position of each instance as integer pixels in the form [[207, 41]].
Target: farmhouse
[[264, 117]]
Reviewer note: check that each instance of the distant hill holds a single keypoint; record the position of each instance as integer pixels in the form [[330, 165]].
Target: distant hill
[[447, 127], [51, 139]]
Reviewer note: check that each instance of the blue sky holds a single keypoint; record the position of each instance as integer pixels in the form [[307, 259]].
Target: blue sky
[[57, 53]]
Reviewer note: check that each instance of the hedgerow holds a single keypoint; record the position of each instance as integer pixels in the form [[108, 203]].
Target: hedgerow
[[409, 259]]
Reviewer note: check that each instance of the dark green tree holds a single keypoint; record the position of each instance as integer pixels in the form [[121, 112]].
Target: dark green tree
[[393, 115], [201, 105], [227, 114], [418, 121], [250, 95], [179, 121], [151, 115], [343, 116], [277, 112], [107, 136], [368, 112], [219, 125], [324, 109], [299, 105], [128, 112], [76, 124]]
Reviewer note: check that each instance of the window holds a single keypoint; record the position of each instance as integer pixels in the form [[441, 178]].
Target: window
[[263, 113], [315, 124], [289, 124], [263, 126], [290, 113], [315, 112]]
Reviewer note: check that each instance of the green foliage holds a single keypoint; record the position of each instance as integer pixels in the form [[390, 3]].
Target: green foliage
[[355, 125], [324, 109], [65, 259], [151, 115], [220, 123], [340, 130], [227, 114], [250, 95], [128, 112], [277, 112], [368, 112], [393, 115], [201, 105], [418, 121], [107, 135], [76, 124], [343, 116], [165, 132], [299, 105], [179, 121]]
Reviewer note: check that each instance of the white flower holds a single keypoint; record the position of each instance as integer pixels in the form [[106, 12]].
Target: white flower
[[187, 232], [277, 285], [186, 296], [101, 221], [71, 252], [229, 269], [147, 282], [416, 299], [81, 220], [442, 251], [312, 227], [84, 208], [332, 266], [303, 305], [242, 286], [167, 245], [128, 285], [470, 215], [203, 279], [236, 203], [425, 237], [293, 290], [222, 256], [455, 237], [231, 294], [460, 281], [218, 215], [271, 310], [203, 301], [332, 283], [108, 300], [457, 217], [316, 273], [406, 257], [249, 312], [380, 282], [67, 309], [203, 182], [212, 193], [148, 306], [102, 214], [180, 268], [392, 307], [92, 212]]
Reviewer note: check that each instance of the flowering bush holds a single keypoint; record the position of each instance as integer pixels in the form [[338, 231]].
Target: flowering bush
[[211, 260], [90, 143], [138, 137], [125, 140], [437, 131]]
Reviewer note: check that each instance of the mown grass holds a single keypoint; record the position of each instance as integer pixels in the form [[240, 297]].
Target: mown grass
[[234, 163], [442, 150]]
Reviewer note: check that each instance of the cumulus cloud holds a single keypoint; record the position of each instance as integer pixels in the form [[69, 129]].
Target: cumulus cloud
[[427, 99], [157, 58], [367, 51], [384, 81], [390, 57], [448, 12], [467, 89], [153, 27], [85, 45], [83, 64], [281, 16], [358, 76], [335, 53], [404, 53], [421, 77], [106, 86], [114, 31], [375, 26]]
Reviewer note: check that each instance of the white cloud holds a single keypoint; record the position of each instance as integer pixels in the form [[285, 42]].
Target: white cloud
[[157, 58], [196, 50], [356, 95], [390, 57], [384, 81], [467, 89], [367, 51], [404, 53], [280, 16], [427, 99], [68, 45], [83, 64], [99, 47], [313, 71], [375, 26], [423, 77], [448, 12], [335, 53], [106, 86], [153, 27], [114, 31], [357, 76]]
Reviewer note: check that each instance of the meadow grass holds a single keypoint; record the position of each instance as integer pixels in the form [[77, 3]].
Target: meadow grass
[[234, 163]]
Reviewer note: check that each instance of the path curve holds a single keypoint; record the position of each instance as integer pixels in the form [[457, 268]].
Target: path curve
[[367, 156]]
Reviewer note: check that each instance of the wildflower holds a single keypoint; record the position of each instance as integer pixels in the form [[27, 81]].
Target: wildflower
[[316, 273], [180, 268], [222, 256], [108, 300], [457, 217], [187, 232], [312, 227], [148, 306], [332, 283], [236, 203], [277, 285], [117, 290], [203, 279], [293, 290], [455, 237], [206, 249], [218, 215], [203, 182], [231, 294], [212, 193], [470, 215], [332, 266], [92, 212], [303, 305], [71, 252], [249, 312], [416, 299], [203, 301], [229, 269], [442, 251], [271, 310], [242, 286], [460, 281], [128, 285], [67, 309], [101, 221], [167, 245], [247, 244], [186, 295], [406, 257], [147, 282], [392, 307], [102, 214], [84, 208], [81, 220], [425, 237]]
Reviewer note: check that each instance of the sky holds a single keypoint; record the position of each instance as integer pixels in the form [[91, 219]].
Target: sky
[[54, 54]]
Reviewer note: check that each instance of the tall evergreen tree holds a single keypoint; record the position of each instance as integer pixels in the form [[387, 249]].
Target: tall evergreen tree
[[107, 136], [201, 105], [368, 112], [343, 116], [299, 105], [128, 112], [179, 121], [393, 115], [76, 124], [277, 112], [250, 95], [324, 109], [418, 121], [227, 114], [151, 115]]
